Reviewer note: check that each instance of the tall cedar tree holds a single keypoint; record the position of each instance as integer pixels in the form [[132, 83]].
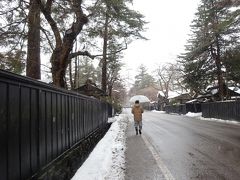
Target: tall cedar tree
[[113, 19], [33, 68], [213, 26], [143, 79], [113, 67], [232, 64]]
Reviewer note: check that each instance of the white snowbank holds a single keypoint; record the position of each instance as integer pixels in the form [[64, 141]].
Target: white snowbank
[[107, 160], [199, 116], [161, 112], [190, 114], [220, 120]]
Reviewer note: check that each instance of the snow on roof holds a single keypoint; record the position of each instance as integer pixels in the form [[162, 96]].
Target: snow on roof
[[141, 99], [235, 89], [231, 88], [191, 101], [152, 102], [172, 94], [209, 87], [238, 91], [214, 91], [160, 93]]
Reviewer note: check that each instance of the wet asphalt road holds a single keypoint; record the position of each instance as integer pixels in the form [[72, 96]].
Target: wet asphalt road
[[188, 148]]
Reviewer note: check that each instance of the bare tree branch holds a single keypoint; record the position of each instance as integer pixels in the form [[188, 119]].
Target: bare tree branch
[[47, 14], [81, 53], [86, 53], [46, 35]]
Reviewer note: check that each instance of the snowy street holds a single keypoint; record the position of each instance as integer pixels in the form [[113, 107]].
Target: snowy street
[[171, 147]]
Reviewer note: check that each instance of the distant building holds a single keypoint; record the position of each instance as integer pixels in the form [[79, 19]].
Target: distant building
[[173, 98], [212, 94], [153, 105], [180, 99], [90, 89], [162, 101]]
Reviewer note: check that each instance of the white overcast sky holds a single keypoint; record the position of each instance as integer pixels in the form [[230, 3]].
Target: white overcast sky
[[167, 31]]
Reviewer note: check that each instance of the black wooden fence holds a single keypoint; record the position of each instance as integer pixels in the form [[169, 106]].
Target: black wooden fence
[[39, 122], [228, 110], [222, 110], [183, 108], [179, 109]]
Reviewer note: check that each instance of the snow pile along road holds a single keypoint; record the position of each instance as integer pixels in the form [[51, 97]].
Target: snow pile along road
[[161, 112], [107, 161], [220, 120], [199, 116], [190, 114]]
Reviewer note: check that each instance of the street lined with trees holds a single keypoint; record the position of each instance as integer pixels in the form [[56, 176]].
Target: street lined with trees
[[66, 30], [75, 34]]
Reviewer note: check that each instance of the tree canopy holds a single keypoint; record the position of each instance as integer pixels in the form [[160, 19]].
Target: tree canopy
[[215, 30], [65, 30]]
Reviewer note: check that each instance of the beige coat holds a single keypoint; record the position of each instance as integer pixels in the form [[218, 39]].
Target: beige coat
[[137, 111]]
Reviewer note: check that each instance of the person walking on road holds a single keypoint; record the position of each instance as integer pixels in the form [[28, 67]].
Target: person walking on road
[[137, 111]]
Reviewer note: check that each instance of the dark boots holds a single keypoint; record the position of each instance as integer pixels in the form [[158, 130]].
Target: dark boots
[[136, 131], [140, 131]]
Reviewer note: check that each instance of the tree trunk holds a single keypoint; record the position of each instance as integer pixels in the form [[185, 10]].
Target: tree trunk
[[71, 76], [216, 54], [60, 59], [60, 56], [76, 72], [110, 91], [219, 71], [104, 59], [33, 68], [58, 70]]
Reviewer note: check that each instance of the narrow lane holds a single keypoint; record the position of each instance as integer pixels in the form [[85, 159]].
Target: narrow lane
[[194, 149]]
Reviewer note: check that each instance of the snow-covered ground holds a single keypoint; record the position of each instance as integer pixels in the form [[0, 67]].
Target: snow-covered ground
[[107, 160], [161, 112], [199, 116], [190, 114]]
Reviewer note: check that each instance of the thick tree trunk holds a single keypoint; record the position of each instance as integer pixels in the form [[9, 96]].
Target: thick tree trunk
[[110, 87], [216, 58], [216, 53], [220, 79], [104, 59], [60, 61], [71, 76], [219, 71], [76, 73], [33, 69], [60, 56]]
